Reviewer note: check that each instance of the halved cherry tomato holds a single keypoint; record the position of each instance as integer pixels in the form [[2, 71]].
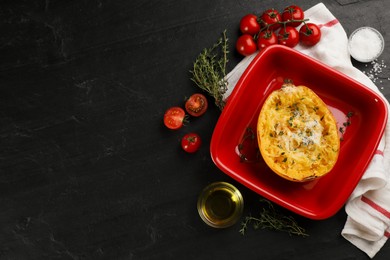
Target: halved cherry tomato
[[191, 142], [309, 34], [266, 38], [246, 45], [293, 12], [270, 18], [174, 118], [196, 105], [249, 24], [288, 36]]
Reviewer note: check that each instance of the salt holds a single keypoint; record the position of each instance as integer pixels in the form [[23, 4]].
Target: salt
[[365, 44], [375, 70]]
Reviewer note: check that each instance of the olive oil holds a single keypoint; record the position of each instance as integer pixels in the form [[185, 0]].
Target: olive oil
[[220, 205]]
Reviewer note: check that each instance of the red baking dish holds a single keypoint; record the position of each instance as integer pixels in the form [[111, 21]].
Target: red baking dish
[[321, 198]]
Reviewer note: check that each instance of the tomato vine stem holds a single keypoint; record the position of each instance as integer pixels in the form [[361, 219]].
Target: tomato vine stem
[[283, 23]]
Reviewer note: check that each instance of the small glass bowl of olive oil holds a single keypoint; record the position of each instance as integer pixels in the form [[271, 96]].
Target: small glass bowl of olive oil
[[220, 205]]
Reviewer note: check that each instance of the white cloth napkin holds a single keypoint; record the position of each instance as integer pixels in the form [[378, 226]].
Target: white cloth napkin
[[368, 208]]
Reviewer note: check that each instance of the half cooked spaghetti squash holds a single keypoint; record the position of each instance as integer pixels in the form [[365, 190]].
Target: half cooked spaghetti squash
[[297, 134]]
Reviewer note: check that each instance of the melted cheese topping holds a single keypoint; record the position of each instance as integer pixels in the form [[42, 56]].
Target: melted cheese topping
[[297, 134]]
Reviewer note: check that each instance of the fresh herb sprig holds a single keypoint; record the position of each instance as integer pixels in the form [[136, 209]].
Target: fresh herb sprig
[[248, 138], [270, 218], [209, 70], [346, 124]]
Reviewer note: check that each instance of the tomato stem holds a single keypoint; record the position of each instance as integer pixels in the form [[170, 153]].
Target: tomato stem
[[186, 120], [283, 23]]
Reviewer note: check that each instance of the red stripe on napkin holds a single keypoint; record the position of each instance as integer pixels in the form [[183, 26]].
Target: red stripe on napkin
[[329, 24], [379, 152], [387, 234], [376, 206]]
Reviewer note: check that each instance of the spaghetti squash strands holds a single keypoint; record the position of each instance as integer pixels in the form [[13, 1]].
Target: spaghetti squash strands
[[297, 134]]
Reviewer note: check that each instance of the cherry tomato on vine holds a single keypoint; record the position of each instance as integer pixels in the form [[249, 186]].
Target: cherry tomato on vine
[[246, 45], [288, 36], [174, 118], [196, 105], [191, 142], [249, 24], [309, 34], [293, 12], [272, 18], [266, 38]]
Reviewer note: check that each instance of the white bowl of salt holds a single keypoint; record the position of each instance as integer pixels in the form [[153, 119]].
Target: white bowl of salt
[[366, 44]]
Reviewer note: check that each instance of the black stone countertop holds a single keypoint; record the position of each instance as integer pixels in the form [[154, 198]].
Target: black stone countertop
[[87, 169]]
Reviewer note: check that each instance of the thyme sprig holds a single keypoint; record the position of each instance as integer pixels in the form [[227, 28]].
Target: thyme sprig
[[209, 70], [249, 136], [346, 124], [270, 218]]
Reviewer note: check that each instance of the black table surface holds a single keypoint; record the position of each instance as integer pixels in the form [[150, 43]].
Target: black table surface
[[87, 168]]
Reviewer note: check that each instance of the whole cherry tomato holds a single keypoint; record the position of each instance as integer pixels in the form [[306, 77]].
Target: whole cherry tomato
[[249, 24], [271, 18], [196, 105], [266, 38], [191, 142], [293, 12], [288, 36], [309, 34], [174, 118], [246, 45]]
